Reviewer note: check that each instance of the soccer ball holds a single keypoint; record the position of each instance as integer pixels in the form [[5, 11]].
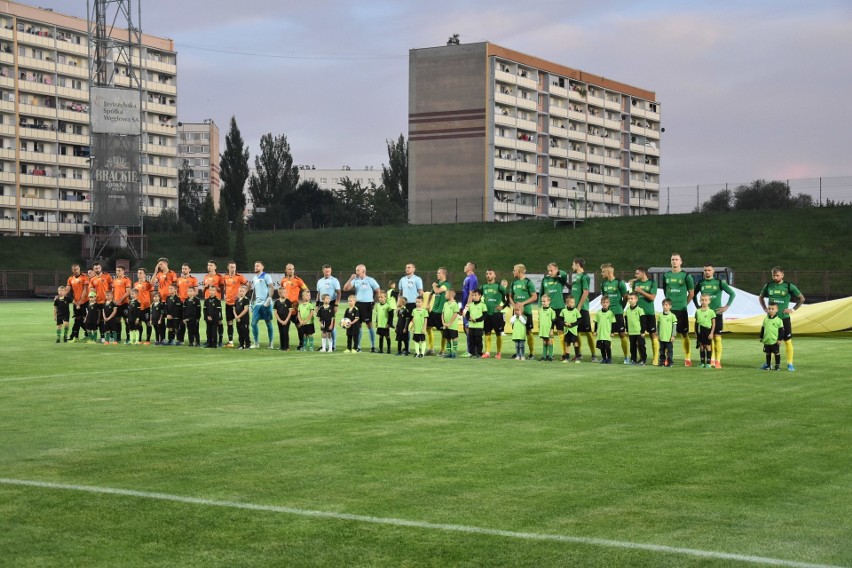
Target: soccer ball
[[345, 322]]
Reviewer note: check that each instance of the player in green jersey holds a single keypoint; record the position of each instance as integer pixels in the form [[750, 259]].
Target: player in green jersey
[[570, 315], [666, 326], [770, 333], [604, 321], [522, 293], [713, 287], [680, 288], [436, 308], [476, 314], [418, 325], [494, 298], [616, 290], [552, 285], [646, 289], [546, 323], [705, 323], [633, 319], [450, 323], [781, 292], [580, 289]]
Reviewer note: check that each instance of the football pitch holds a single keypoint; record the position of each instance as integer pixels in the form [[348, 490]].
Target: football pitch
[[172, 456]]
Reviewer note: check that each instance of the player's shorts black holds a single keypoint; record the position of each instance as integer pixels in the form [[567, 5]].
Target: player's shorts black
[[145, 316], [584, 324], [383, 331], [230, 312], [720, 323], [649, 323], [530, 323], [559, 322], [569, 338], [418, 337], [61, 320], [618, 326], [703, 336], [366, 311], [121, 311], [602, 343], [787, 332], [494, 323], [308, 329], [172, 323], [450, 334], [682, 321], [773, 348], [435, 321]]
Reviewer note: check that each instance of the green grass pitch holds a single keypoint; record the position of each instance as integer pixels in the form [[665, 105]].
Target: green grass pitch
[[261, 458]]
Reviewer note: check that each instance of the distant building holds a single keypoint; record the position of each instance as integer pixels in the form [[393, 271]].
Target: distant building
[[329, 179], [498, 135], [44, 122], [199, 146]]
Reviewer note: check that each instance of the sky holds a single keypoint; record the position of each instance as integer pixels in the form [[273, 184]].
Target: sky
[[749, 89]]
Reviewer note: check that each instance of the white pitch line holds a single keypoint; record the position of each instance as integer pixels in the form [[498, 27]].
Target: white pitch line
[[606, 543]]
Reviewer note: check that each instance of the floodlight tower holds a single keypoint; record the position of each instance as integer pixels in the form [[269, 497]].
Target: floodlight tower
[[115, 126]]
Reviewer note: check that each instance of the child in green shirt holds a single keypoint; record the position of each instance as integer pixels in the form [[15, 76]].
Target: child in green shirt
[[705, 324], [570, 317], [383, 316], [666, 328], [519, 331], [769, 336], [633, 318], [546, 323], [306, 320], [604, 321]]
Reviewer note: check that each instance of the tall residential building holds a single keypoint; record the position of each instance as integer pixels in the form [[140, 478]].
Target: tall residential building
[[44, 121], [498, 135], [199, 147]]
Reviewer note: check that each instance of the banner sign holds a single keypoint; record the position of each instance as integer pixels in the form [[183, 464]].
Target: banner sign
[[116, 111], [116, 180]]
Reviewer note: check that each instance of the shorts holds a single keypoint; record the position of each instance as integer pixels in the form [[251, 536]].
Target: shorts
[[570, 339], [494, 323], [529, 324], [559, 323], [773, 348], [787, 333], [121, 311], [419, 337], [259, 311], [649, 323], [450, 334], [720, 323], [366, 311], [145, 315], [61, 320], [230, 313], [172, 323], [703, 338], [435, 321], [584, 324], [383, 331], [618, 326], [682, 325], [308, 329], [602, 343]]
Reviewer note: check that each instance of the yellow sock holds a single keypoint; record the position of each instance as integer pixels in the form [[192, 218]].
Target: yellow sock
[[717, 347], [625, 346], [430, 340], [788, 350], [488, 343], [687, 353], [530, 343], [499, 344], [558, 338], [590, 339], [655, 349], [443, 343]]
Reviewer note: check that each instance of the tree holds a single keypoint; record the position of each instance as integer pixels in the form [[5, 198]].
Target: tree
[[761, 194], [718, 202], [240, 252], [208, 219], [395, 174], [353, 204], [189, 196], [310, 206], [221, 230], [384, 209], [234, 171], [274, 181]]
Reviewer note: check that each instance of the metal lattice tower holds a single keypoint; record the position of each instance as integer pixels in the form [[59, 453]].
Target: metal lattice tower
[[115, 38]]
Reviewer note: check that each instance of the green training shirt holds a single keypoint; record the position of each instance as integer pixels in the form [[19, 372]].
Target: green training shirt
[[604, 321], [493, 296], [570, 318], [554, 286], [441, 297], [633, 319], [383, 312], [649, 286], [615, 290], [714, 287], [522, 290], [476, 310], [546, 318], [781, 294], [418, 320], [451, 309], [580, 283], [677, 286], [704, 318], [665, 326]]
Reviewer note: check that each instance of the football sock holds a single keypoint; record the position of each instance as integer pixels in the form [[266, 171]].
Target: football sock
[[788, 351], [655, 348], [530, 342], [488, 343], [499, 344], [625, 346], [717, 344], [430, 340], [687, 354], [590, 339]]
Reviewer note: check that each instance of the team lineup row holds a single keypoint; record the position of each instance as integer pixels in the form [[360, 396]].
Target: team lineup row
[[171, 306]]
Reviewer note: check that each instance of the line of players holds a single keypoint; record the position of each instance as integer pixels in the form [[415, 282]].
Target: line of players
[[112, 300]]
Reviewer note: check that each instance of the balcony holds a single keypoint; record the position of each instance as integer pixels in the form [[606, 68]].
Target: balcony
[[529, 146], [560, 212], [40, 111], [37, 134], [8, 200], [558, 131], [155, 128], [576, 174], [528, 104], [157, 108], [38, 157], [505, 99], [160, 66], [530, 188], [37, 203], [596, 120], [595, 100], [561, 112], [7, 154], [39, 181], [73, 183], [39, 64], [77, 161], [504, 142], [637, 129], [529, 125], [598, 178], [8, 225], [528, 167], [8, 177], [505, 77], [527, 82], [558, 172], [75, 48], [557, 192], [33, 39], [636, 184], [504, 164], [6, 34], [558, 152], [504, 185], [652, 169], [503, 207], [596, 140], [73, 116], [614, 162], [575, 96], [653, 134], [611, 142], [612, 124], [7, 129], [501, 119], [74, 206], [576, 135], [612, 180], [76, 71], [81, 139], [612, 105], [157, 87], [159, 150], [76, 94], [157, 191], [557, 91], [577, 155], [577, 116], [651, 115]]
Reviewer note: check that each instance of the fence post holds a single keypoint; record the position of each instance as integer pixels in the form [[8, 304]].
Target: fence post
[[820, 191]]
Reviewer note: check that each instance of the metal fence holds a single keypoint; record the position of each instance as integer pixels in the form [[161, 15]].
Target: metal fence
[[815, 285]]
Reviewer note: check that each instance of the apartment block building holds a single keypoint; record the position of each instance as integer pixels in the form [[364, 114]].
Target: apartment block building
[[45, 186], [199, 148], [498, 135]]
